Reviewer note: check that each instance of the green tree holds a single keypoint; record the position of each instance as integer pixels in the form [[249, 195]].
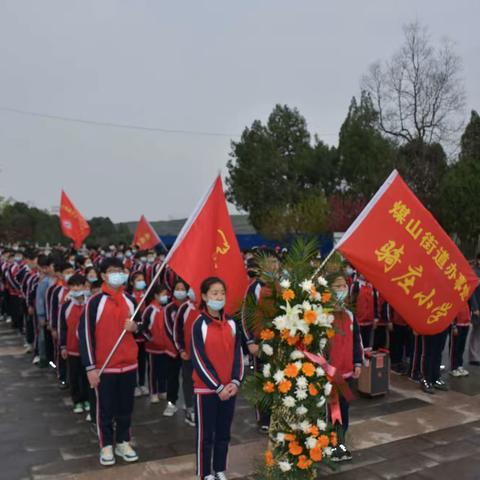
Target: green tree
[[460, 190], [366, 158], [273, 173]]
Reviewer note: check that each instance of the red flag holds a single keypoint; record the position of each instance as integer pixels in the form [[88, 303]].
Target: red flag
[[403, 251], [73, 224], [145, 235], [207, 246]]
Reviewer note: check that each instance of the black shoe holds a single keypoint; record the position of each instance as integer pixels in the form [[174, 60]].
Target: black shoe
[[441, 385], [344, 454], [475, 363], [427, 387], [397, 369], [415, 378], [62, 385], [265, 429], [335, 456]]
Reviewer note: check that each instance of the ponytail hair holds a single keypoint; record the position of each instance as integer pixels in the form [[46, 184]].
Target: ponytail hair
[[205, 287]]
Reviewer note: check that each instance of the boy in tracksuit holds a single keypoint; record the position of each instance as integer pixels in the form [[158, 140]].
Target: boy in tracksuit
[[365, 298], [432, 349], [106, 315], [458, 339], [69, 318], [58, 295], [182, 336]]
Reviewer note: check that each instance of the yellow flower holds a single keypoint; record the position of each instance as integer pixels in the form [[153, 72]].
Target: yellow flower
[[269, 462], [308, 369], [308, 339], [316, 454], [284, 386], [268, 387], [310, 316], [294, 448], [303, 462], [288, 295], [291, 370], [330, 333], [267, 334], [312, 390]]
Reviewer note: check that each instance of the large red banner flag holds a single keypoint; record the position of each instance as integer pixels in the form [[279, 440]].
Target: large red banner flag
[[72, 223], [207, 246], [402, 250], [145, 235]]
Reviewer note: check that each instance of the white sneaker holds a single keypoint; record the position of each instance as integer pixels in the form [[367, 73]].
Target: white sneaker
[[144, 389], [106, 456], [190, 417], [88, 418], [125, 451], [78, 408], [138, 392], [210, 477], [154, 398], [36, 359], [463, 372], [455, 373], [8, 320], [170, 410], [220, 476], [162, 396]]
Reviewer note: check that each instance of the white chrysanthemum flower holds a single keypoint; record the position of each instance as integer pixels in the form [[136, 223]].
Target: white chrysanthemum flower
[[267, 370], [285, 283], [280, 438], [322, 281], [301, 394], [323, 343], [327, 451], [279, 376], [305, 426], [285, 466], [320, 372], [306, 305], [323, 320], [306, 285], [301, 410], [302, 382], [298, 364], [321, 424], [280, 322], [296, 355], [267, 349], [289, 401], [311, 442], [321, 402], [327, 389]]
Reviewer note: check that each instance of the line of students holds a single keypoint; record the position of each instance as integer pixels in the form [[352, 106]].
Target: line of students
[[78, 306]]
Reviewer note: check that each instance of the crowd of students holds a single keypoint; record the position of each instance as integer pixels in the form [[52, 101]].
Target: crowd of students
[[72, 306]]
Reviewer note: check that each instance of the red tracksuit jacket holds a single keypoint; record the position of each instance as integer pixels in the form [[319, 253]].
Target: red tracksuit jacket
[[216, 354], [182, 329], [70, 314], [100, 326]]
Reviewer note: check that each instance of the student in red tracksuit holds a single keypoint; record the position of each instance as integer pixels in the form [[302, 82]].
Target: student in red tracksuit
[[106, 315], [173, 362], [345, 354], [136, 288], [366, 309], [217, 374], [182, 335], [458, 339], [157, 346], [70, 314]]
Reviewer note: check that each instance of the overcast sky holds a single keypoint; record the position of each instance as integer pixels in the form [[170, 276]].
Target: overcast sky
[[203, 66]]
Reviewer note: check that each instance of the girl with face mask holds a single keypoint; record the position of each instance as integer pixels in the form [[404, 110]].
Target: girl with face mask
[[345, 353], [136, 288], [174, 363], [157, 346], [218, 371]]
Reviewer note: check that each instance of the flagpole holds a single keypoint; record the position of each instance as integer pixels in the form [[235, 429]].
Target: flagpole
[[124, 332], [327, 258]]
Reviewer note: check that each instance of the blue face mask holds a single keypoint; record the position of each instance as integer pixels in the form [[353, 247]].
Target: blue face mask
[[180, 294], [191, 295], [140, 285], [216, 305], [117, 279], [128, 254], [92, 279], [341, 295], [163, 299], [77, 294]]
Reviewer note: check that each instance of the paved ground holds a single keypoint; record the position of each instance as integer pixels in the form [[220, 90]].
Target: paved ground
[[406, 434]]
